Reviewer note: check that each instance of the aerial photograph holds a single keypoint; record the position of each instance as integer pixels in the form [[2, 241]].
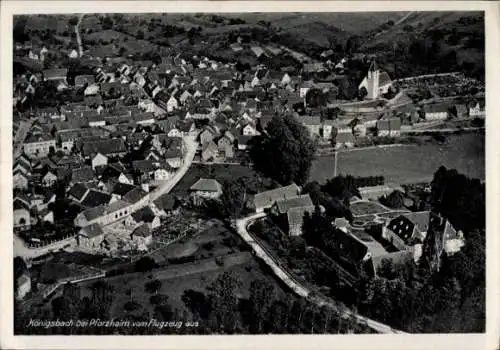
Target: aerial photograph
[[248, 173]]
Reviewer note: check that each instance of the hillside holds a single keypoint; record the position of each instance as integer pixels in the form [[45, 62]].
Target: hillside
[[430, 42]]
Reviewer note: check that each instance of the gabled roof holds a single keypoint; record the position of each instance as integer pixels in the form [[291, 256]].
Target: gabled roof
[[295, 215], [82, 174], [145, 214], [143, 166], [268, 198], [135, 195], [91, 231], [208, 185], [78, 190], [122, 189], [95, 198], [285, 205], [104, 147]]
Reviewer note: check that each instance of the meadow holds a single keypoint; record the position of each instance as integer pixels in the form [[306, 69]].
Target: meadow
[[409, 163]]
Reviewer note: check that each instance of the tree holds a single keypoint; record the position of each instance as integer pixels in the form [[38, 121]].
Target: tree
[[316, 98], [107, 22], [145, 264], [73, 20], [233, 198], [261, 299], [197, 302], [224, 302], [153, 286], [394, 200], [285, 152], [362, 93], [140, 34]]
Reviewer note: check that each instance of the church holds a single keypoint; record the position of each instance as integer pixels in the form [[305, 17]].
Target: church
[[377, 82]]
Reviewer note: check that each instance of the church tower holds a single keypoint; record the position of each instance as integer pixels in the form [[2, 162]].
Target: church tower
[[373, 81]]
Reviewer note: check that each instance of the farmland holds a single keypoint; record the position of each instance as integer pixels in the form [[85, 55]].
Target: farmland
[[410, 163]]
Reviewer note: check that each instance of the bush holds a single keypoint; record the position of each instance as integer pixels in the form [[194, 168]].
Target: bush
[[131, 305]]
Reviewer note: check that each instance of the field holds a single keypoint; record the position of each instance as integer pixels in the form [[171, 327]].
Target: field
[[408, 164], [366, 208]]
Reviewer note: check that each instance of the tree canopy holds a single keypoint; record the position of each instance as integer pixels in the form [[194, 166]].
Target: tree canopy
[[285, 152]]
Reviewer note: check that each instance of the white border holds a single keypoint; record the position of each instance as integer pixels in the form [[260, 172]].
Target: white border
[[490, 340]]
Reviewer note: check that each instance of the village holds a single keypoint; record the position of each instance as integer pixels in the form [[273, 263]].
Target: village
[[108, 169]]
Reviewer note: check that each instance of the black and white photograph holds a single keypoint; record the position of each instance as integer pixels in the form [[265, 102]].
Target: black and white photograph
[[247, 173]]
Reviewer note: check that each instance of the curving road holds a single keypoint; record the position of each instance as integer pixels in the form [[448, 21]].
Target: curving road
[[291, 282]]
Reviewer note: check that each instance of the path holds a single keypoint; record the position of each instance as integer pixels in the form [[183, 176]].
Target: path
[[22, 132], [291, 282], [78, 38]]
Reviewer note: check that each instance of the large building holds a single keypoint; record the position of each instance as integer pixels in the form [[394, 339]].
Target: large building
[[376, 82]]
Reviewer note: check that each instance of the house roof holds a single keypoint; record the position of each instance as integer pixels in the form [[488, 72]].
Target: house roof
[[268, 198], [55, 73], [104, 147], [143, 166], [345, 137], [95, 198], [165, 202], [142, 231], [91, 231], [122, 189], [295, 215], [93, 213], [84, 79], [82, 174], [436, 108], [294, 202], [311, 120], [135, 195], [78, 190], [117, 205], [145, 214], [208, 185]]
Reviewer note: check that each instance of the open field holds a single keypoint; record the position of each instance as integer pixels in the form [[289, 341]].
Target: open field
[[409, 163]]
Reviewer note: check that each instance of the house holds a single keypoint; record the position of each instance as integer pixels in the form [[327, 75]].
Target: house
[[137, 198], [90, 237], [55, 74], [461, 111], [99, 160], [95, 198], [205, 189], [20, 180], [172, 104], [389, 127], [313, 124], [294, 208], [163, 173], [77, 192], [165, 205], [146, 216], [344, 139], [49, 179], [249, 129], [209, 151], [477, 109], [265, 200], [436, 111], [328, 127], [83, 174], [39, 145], [207, 135], [108, 147], [22, 216], [376, 83], [412, 228], [125, 179], [142, 236], [305, 87], [104, 214], [84, 80]]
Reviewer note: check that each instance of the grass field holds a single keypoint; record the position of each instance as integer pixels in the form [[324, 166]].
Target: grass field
[[408, 164]]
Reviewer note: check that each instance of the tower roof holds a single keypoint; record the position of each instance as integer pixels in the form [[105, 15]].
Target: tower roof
[[373, 66]]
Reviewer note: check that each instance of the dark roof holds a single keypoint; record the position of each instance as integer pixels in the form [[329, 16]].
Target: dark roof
[[145, 214], [104, 147], [285, 205], [436, 108], [82, 174], [165, 202], [142, 231], [91, 231], [135, 195], [122, 189], [143, 166], [78, 191], [95, 198]]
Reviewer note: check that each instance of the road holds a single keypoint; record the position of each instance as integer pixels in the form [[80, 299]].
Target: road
[[78, 38], [296, 286], [191, 146], [22, 132]]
